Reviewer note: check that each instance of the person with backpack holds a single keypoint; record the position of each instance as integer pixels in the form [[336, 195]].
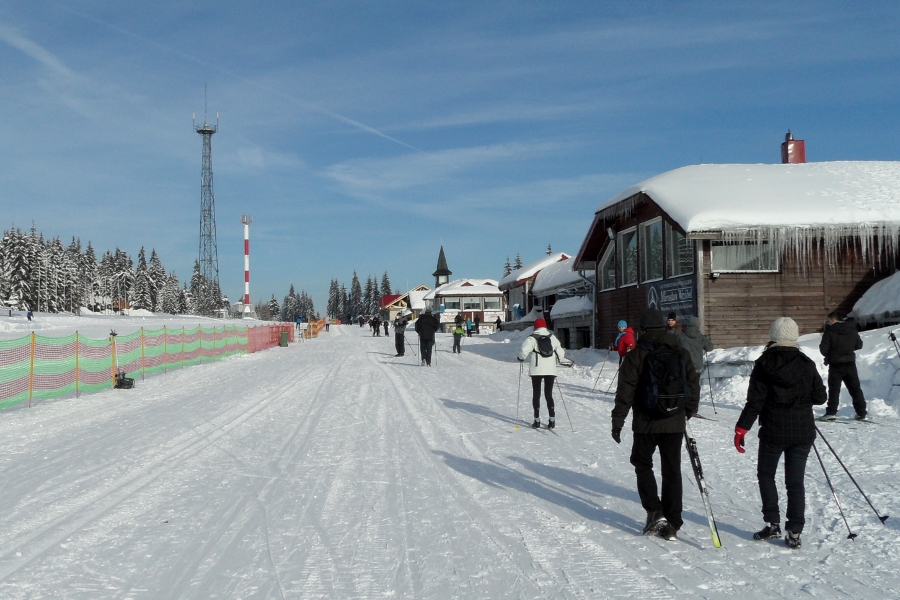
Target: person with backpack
[[426, 326], [457, 339], [400, 334], [544, 351], [784, 386], [658, 381], [839, 345], [693, 341]]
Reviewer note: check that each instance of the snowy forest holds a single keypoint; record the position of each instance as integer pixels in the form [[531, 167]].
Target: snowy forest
[[344, 304], [43, 275]]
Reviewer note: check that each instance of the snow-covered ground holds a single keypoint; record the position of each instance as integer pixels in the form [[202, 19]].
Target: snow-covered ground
[[331, 469]]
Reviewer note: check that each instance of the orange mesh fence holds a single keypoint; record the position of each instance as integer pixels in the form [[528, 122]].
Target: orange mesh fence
[[43, 367]]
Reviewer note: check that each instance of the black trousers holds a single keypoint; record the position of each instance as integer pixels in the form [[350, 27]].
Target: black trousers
[[669, 445], [548, 394], [844, 373], [794, 471], [457, 339], [425, 346], [399, 343]]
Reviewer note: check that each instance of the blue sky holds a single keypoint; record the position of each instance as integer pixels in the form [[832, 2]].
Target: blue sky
[[362, 135]]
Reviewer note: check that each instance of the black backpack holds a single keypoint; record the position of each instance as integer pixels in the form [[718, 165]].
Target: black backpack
[[664, 382], [544, 345]]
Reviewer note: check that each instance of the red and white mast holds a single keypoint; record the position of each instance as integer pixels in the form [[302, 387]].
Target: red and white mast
[[248, 308]]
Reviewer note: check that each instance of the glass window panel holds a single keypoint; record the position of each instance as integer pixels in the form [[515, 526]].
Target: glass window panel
[[492, 304], [652, 250], [451, 303], [737, 256], [607, 268], [680, 253], [471, 303], [628, 256]]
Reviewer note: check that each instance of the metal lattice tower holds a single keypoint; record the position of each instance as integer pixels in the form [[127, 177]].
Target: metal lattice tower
[[209, 255]]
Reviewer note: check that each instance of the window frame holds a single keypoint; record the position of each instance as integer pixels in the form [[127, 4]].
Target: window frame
[[445, 302], [644, 250], [496, 299], [473, 298], [609, 255], [715, 269], [672, 249], [620, 263]]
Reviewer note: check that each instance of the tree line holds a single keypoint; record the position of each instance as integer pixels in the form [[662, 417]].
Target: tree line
[[358, 300], [43, 275]]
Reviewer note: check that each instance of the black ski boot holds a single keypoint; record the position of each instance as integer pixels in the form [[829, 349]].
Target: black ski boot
[[655, 521], [551, 424], [536, 424], [668, 533], [792, 540], [769, 532]]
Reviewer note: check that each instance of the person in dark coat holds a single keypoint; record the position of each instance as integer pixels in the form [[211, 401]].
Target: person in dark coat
[[426, 327], [477, 324], [693, 341], [499, 324], [375, 324], [672, 324], [839, 345], [663, 513], [400, 334], [386, 323], [784, 386]]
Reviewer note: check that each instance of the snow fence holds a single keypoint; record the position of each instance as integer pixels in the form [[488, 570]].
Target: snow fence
[[45, 367]]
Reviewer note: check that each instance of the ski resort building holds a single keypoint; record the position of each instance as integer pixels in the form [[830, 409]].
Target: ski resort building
[[518, 287], [566, 297], [739, 245], [472, 297]]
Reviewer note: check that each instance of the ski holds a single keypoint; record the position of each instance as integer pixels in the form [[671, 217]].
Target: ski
[[699, 416], [691, 444], [846, 421]]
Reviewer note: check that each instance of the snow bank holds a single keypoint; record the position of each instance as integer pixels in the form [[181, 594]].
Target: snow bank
[[881, 303], [576, 305]]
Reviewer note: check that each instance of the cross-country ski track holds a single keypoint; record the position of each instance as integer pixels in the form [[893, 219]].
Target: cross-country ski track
[[332, 469]]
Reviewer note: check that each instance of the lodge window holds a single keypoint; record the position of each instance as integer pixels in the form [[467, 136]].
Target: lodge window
[[607, 268], [652, 250], [744, 257], [471, 303], [451, 303], [628, 256], [492, 303], [679, 253]]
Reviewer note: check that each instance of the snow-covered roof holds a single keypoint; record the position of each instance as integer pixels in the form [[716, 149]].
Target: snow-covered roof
[[807, 195], [530, 270], [417, 299], [557, 276], [567, 307], [881, 302], [466, 287]]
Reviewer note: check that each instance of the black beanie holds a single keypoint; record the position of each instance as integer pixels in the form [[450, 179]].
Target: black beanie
[[672, 316], [652, 319]]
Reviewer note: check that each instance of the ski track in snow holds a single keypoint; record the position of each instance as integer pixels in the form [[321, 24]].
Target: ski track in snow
[[331, 469]]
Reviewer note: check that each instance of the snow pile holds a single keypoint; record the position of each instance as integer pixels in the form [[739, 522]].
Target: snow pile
[[574, 306], [881, 303], [555, 277]]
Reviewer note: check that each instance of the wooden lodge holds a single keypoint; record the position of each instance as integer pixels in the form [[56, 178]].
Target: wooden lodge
[[740, 245]]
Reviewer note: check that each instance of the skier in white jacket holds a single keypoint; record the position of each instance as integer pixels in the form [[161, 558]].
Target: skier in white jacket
[[544, 351]]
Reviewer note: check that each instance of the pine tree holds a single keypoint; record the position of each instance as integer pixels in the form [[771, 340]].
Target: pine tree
[[343, 303], [355, 304], [385, 285], [549, 250], [507, 268], [518, 264], [158, 279], [143, 297], [14, 249], [273, 309], [289, 306]]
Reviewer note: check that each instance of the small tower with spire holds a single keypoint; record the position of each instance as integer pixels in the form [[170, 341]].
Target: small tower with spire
[[442, 273]]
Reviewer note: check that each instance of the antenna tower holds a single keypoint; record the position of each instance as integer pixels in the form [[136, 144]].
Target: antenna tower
[[211, 295]]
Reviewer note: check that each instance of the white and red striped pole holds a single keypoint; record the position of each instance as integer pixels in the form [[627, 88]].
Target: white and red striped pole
[[246, 220]]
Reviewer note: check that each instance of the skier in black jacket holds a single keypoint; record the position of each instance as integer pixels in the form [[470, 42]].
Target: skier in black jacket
[[663, 514], [839, 345], [426, 326], [784, 386]]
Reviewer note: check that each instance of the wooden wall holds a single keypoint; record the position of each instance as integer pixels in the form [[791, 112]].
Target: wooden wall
[[738, 308]]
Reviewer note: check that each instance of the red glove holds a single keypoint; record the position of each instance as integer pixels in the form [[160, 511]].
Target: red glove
[[739, 439]]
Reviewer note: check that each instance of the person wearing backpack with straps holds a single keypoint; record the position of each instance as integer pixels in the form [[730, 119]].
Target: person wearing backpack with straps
[[544, 351], [658, 381]]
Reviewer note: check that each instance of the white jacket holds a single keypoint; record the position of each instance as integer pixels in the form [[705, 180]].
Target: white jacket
[[539, 365]]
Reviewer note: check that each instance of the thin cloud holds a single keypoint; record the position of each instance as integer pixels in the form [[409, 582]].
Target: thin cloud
[[38, 53]]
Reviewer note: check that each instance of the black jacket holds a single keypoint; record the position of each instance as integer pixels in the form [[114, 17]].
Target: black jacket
[[840, 343], [426, 325], [693, 341], [628, 392], [784, 386]]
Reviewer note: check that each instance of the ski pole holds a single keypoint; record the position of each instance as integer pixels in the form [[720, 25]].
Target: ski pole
[[613, 381], [833, 493], [605, 359], [895, 342], [709, 378], [410, 346], [563, 398], [519, 392], [882, 518]]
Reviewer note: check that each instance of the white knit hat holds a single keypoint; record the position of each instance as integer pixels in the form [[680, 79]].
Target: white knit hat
[[784, 332]]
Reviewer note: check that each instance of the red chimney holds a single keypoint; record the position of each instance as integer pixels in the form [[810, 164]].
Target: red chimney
[[792, 151]]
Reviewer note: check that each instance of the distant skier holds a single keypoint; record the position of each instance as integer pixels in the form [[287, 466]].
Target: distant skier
[[457, 339], [693, 341], [839, 345], [477, 323], [29, 314], [400, 334], [426, 327], [375, 324], [468, 327], [542, 349], [656, 369], [624, 341], [386, 325], [499, 324], [784, 386]]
